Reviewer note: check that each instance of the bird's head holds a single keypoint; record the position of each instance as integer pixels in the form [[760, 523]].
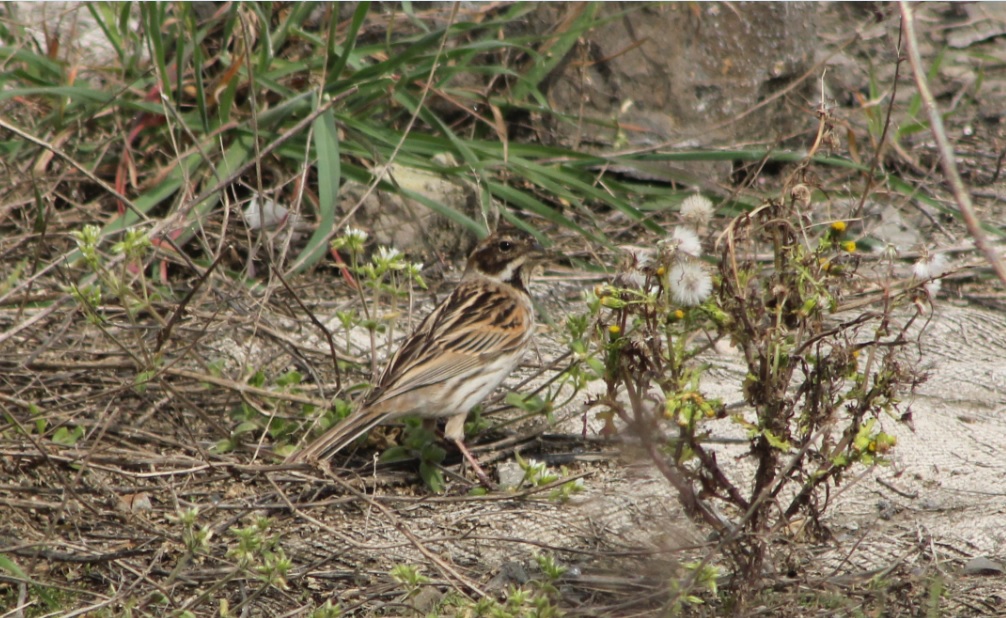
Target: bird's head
[[506, 256]]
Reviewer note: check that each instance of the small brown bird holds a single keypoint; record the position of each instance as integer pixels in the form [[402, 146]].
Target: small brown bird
[[458, 354]]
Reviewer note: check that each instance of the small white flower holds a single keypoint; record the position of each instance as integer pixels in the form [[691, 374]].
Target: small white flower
[[355, 235], [933, 287], [388, 259], [689, 283], [688, 241], [387, 254], [696, 210], [534, 470], [930, 266]]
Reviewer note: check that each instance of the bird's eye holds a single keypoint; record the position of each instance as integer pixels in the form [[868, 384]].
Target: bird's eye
[[505, 245]]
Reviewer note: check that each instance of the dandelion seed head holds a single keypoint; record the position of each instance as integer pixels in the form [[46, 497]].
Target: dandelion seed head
[[641, 257], [689, 283], [930, 266], [696, 210], [801, 195], [632, 279], [687, 241]]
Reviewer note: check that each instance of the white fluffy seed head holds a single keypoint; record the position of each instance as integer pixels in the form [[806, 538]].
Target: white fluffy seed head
[[689, 283], [688, 241], [632, 279], [930, 266], [681, 243], [640, 258], [696, 211]]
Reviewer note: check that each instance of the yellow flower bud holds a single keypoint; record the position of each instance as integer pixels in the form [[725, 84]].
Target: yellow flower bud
[[612, 303]]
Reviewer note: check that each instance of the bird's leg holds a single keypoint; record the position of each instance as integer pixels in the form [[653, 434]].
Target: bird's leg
[[454, 431], [479, 472], [430, 425]]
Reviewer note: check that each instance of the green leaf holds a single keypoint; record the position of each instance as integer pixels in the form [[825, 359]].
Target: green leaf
[[432, 477], [326, 144], [290, 378], [863, 437], [395, 453], [776, 442], [556, 52], [153, 16], [7, 564], [65, 436], [245, 427], [40, 423], [349, 40], [105, 17]]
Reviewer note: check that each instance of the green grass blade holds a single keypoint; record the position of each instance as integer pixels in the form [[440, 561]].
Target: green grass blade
[[6, 564], [531, 204], [326, 144], [458, 217], [560, 46], [342, 58], [104, 15], [153, 16]]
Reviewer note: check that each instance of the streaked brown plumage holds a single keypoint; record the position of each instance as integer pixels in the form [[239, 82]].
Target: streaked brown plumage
[[458, 354]]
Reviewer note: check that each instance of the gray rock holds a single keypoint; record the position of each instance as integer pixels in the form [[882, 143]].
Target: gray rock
[[983, 566]]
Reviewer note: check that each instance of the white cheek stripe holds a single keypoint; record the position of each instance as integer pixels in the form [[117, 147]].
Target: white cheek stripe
[[505, 274]]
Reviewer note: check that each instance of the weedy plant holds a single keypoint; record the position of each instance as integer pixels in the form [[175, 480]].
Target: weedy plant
[[537, 598], [255, 553], [821, 373]]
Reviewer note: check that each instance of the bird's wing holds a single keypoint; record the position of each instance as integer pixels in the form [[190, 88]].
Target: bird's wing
[[472, 327]]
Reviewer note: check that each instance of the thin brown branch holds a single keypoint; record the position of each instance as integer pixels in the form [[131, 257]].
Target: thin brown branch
[[947, 157]]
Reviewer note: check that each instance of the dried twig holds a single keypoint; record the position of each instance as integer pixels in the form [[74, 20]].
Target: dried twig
[[947, 157]]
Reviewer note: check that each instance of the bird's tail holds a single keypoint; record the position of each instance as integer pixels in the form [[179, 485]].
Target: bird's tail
[[336, 438]]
